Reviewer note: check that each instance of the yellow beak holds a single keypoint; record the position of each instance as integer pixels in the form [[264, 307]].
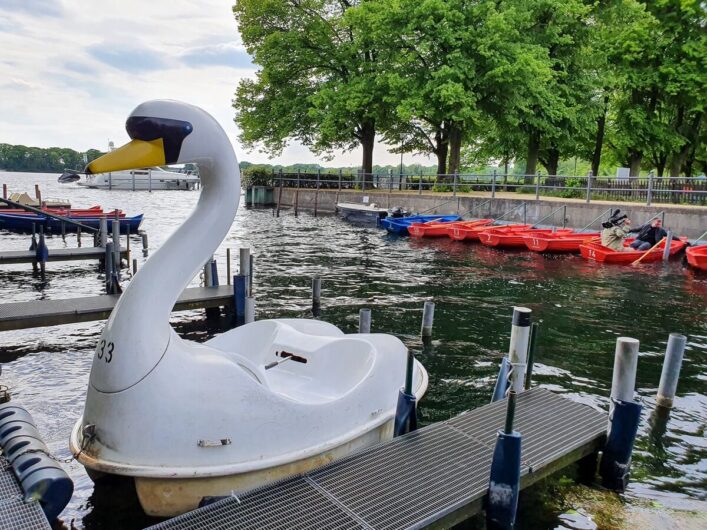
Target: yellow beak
[[135, 154]]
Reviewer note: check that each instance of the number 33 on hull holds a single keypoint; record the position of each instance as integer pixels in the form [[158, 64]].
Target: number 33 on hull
[[187, 420]]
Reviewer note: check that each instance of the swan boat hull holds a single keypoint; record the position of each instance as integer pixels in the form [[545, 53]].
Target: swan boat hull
[[169, 497], [261, 438]]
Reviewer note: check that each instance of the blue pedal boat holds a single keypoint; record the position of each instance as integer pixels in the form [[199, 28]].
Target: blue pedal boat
[[399, 225], [25, 223]]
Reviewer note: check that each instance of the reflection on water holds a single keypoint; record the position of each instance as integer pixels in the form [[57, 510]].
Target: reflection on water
[[582, 308]]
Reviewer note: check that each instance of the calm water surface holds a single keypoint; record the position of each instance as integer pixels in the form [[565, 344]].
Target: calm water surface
[[582, 308]]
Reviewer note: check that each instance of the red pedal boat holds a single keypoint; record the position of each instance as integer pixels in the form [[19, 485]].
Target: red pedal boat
[[435, 229], [472, 233], [558, 242], [513, 238], [697, 257], [598, 252]]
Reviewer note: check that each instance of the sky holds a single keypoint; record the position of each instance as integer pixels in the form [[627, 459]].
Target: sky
[[72, 70]]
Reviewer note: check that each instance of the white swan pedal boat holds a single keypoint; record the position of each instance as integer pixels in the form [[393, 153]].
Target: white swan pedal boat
[[253, 405]]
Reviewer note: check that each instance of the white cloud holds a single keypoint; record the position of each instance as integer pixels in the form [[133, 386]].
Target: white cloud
[[71, 71]]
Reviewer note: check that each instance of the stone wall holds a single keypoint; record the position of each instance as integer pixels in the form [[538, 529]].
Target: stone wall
[[690, 221]]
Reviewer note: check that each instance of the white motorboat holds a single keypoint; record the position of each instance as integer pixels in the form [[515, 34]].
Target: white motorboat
[[253, 405], [149, 179], [360, 213]]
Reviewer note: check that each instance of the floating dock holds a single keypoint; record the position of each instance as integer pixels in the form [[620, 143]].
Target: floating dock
[[56, 254], [39, 313], [437, 476], [15, 513]]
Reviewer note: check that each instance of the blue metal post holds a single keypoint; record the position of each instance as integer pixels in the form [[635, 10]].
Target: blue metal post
[[240, 283], [214, 273], [406, 411], [504, 483], [42, 252], [616, 460]]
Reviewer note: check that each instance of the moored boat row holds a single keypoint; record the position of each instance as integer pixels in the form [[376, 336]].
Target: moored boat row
[[549, 240]]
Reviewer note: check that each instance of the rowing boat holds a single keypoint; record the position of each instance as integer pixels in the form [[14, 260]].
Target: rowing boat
[[472, 233], [437, 229], [558, 242], [697, 257], [513, 238], [27, 222], [595, 251], [400, 225]]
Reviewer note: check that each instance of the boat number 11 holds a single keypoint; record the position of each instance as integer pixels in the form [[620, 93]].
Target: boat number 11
[[105, 350]]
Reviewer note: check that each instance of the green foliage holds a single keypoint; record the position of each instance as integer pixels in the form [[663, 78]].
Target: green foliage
[[483, 84], [256, 176], [43, 160]]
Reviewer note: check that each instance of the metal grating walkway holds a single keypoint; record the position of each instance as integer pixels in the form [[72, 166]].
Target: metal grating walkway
[[37, 313], [438, 474], [15, 513]]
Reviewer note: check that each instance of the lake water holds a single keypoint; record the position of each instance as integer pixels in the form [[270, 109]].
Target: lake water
[[582, 307]]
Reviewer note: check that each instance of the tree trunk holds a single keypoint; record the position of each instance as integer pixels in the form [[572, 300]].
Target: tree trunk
[[531, 160], [660, 166], [441, 150], [678, 158], [368, 138], [455, 145], [634, 163], [552, 161], [599, 142]]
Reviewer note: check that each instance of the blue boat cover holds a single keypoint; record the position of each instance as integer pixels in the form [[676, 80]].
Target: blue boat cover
[[399, 225]]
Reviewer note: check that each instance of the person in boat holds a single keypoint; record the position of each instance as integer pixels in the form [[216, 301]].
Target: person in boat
[[648, 235], [615, 230]]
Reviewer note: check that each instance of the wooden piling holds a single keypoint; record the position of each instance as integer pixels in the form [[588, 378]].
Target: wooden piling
[[364, 321], [78, 236], [279, 196], [116, 244], [519, 344], [108, 267], [668, 241], [228, 266], [316, 295], [249, 309], [244, 266], [134, 266], [297, 193], [671, 370], [316, 193], [428, 315], [623, 381], [38, 194], [103, 232], [4, 191]]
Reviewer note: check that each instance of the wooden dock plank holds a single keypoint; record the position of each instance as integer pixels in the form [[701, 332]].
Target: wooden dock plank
[[56, 254], [434, 477], [39, 313]]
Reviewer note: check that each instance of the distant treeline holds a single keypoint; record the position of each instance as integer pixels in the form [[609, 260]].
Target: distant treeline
[[43, 160]]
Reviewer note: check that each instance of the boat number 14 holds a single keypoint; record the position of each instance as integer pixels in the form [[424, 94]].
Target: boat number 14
[[105, 350]]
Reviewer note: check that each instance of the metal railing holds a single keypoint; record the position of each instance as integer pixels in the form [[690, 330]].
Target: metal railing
[[648, 189]]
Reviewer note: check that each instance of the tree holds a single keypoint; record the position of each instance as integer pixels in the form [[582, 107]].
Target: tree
[[318, 81]]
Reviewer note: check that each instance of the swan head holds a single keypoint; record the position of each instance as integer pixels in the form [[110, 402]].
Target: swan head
[[162, 132]]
